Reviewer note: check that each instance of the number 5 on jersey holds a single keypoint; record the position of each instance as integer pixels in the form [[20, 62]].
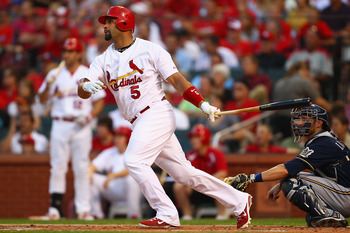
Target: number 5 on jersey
[[135, 93]]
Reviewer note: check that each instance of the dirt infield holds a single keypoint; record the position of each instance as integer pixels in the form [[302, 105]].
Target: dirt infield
[[185, 228]]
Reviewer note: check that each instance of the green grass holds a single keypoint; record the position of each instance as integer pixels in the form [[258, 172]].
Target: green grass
[[209, 221]]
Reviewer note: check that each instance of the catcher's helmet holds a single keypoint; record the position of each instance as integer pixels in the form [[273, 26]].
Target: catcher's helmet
[[125, 18], [72, 44], [201, 131], [123, 130], [312, 112]]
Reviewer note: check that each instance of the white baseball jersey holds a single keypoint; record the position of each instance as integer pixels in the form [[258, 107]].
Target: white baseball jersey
[[40, 143], [109, 160], [64, 96], [134, 76]]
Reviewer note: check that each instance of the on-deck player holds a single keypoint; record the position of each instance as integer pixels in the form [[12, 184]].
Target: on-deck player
[[71, 133], [134, 69]]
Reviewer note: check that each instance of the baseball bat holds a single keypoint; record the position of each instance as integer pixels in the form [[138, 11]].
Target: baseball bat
[[281, 105], [58, 70]]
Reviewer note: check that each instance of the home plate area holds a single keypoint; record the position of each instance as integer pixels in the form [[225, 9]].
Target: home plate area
[[183, 228]]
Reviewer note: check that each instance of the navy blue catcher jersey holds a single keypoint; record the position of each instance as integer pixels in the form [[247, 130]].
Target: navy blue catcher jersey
[[325, 156]]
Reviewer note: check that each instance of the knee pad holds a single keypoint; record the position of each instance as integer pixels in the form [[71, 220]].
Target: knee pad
[[304, 197]]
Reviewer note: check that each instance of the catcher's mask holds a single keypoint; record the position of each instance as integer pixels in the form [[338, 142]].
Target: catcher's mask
[[125, 18], [201, 131], [303, 118]]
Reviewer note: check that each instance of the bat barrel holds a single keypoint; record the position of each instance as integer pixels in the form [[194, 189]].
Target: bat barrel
[[288, 104]]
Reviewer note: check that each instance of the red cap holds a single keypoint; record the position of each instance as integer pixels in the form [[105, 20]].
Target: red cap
[[125, 18], [266, 35], [201, 131], [72, 44], [123, 130]]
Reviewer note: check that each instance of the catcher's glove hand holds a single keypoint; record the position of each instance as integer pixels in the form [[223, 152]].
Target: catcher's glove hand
[[239, 182]]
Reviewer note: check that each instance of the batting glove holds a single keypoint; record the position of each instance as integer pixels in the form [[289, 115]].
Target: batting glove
[[210, 111], [83, 120], [93, 86]]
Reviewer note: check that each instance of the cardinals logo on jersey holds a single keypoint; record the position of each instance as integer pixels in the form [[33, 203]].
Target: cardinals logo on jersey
[[134, 67]]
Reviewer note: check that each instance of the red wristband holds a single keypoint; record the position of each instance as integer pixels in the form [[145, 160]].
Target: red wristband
[[192, 95]]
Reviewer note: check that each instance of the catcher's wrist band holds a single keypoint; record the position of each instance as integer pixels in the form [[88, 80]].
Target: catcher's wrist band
[[193, 96], [256, 178]]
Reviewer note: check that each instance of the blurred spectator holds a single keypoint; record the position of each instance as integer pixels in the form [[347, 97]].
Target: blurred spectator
[[23, 139], [284, 43], [250, 31], [268, 57], [143, 32], [297, 17], [31, 31], [225, 121], [97, 45], [321, 67], [212, 22], [260, 84], [297, 83], [181, 8], [180, 56], [6, 30], [111, 181], [347, 105], [263, 142], [104, 134], [9, 90], [340, 127], [211, 46], [337, 16], [275, 15], [205, 88], [241, 99], [205, 158], [26, 96], [220, 74], [234, 41], [143, 16], [317, 25], [188, 43]]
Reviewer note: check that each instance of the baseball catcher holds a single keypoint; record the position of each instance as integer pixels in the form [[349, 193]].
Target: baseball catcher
[[322, 193]]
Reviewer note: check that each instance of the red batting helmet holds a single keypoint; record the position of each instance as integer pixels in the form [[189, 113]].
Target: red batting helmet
[[72, 44], [125, 18], [201, 131], [123, 130]]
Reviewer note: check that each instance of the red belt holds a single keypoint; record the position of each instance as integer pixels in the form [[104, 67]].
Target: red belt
[[70, 119], [144, 110]]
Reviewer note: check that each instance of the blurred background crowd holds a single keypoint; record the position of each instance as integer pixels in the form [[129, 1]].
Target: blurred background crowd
[[237, 53]]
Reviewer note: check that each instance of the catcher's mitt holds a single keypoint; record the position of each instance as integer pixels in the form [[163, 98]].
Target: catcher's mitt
[[239, 182]]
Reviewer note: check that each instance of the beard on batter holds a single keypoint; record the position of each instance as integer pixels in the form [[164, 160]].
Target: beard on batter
[[108, 37]]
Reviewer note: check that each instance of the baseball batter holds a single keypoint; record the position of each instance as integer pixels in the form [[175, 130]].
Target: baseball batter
[[116, 185], [71, 133], [133, 69], [324, 194]]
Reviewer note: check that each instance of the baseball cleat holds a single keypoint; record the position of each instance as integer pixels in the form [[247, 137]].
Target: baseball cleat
[[85, 216], [243, 219], [331, 222], [53, 214], [155, 223]]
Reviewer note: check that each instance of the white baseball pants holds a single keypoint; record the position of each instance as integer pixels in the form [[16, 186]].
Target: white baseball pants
[[68, 140], [153, 140], [120, 192]]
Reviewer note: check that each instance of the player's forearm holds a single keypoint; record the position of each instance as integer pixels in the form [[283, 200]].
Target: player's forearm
[[98, 107], [81, 92], [120, 174], [275, 173], [179, 83], [44, 96]]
